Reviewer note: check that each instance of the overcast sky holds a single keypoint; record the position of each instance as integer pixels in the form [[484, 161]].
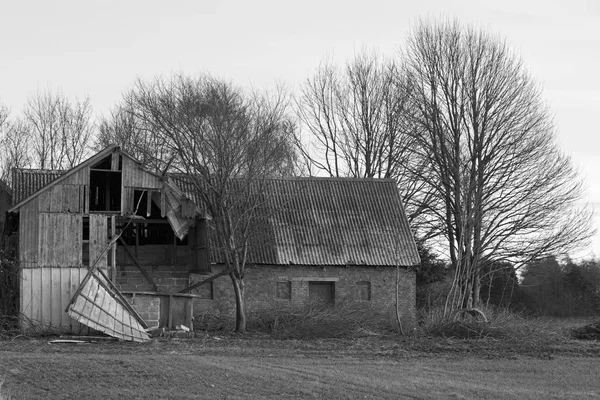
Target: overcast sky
[[98, 48]]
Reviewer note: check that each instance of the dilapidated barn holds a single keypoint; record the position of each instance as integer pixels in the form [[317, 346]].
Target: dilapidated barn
[[147, 239]]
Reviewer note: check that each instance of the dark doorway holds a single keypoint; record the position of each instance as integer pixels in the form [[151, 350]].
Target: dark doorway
[[321, 293]]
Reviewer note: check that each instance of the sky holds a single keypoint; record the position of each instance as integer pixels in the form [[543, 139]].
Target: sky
[[98, 49]]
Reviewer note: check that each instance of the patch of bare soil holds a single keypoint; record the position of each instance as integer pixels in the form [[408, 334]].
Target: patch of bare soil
[[257, 366]]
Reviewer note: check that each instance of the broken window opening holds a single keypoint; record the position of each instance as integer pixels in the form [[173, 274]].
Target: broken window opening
[[109, 163], [105, 190]]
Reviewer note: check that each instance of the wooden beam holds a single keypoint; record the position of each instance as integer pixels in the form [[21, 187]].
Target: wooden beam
[[113, 253], [212, 278], [142, 269]]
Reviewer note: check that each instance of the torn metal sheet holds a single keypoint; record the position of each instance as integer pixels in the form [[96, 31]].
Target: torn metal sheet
[[99, 305]]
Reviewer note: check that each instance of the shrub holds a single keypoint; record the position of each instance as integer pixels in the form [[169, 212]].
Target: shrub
[[306, 322], [9, 293]]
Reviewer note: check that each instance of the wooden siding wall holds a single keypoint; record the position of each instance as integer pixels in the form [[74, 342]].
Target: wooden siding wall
[[60, 240], [50, 240], [28, 234], [134, 178]]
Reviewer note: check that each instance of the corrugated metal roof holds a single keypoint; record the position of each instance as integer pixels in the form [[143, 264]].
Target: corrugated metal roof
[[328, 221], [337, 221], [28, 181]]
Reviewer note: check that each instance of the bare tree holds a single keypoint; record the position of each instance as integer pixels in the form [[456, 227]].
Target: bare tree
[[226, 143], [13, 145], [14, 148], [124, 128], [507, 192], [357, 122], [60, 131]]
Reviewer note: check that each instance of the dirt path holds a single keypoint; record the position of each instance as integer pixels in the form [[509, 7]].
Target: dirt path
[[189, 370]]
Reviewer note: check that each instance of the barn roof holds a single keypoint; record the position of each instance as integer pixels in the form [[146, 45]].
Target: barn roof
[[329, 221], [304, 221], [28, 181]]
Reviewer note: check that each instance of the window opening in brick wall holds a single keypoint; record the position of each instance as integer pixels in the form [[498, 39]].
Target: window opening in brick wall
[[363, 290], [283, 290], [321, 293]]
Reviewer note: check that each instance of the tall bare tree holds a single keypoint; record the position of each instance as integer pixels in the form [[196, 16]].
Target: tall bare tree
[[227, 143], [60, 131], [124, 128], [507, 192], [14, 145], [14, 148], [357, 122]]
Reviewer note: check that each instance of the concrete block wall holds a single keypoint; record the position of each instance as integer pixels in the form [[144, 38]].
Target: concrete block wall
[[168, 278], [148, 307], [261, 289]]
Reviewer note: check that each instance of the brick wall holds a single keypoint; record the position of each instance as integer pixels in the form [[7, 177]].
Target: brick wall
[[350, 287]]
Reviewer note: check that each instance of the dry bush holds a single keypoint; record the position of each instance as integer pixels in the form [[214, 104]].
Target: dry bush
[[307, 322], [587, 332], [5, 392], [503, 323], [9, 281]]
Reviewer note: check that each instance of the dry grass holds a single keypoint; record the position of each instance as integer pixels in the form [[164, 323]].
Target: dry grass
[[5, 392], [321, 322]]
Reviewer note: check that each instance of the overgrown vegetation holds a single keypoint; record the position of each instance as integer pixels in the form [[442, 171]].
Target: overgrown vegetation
[[9, 293], [308, 322]]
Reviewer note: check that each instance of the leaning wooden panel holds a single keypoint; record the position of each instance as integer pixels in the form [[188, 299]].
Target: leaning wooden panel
[[92, 303]]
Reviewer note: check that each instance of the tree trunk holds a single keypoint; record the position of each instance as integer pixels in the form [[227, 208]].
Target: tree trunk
[[240, 304]]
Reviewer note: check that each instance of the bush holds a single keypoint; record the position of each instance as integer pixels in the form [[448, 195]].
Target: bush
[[305, 322], [587, 332], [502, 323], [9, 292]]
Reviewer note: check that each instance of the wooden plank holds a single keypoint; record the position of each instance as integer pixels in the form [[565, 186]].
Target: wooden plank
[[212, 278], [65, 294], [114, 161], [113, 249], [86, 199], [60, 240], [127, 200], [56, 198], [29, 232], [56, 297], [98, 240], [44, 199], [149, 203], [36, 295], [71, 202], [26, 293]]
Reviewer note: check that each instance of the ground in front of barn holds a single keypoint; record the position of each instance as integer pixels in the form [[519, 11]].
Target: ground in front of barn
[[257, 366]]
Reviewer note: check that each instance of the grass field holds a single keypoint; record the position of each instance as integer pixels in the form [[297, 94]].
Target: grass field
[[260, 366]]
